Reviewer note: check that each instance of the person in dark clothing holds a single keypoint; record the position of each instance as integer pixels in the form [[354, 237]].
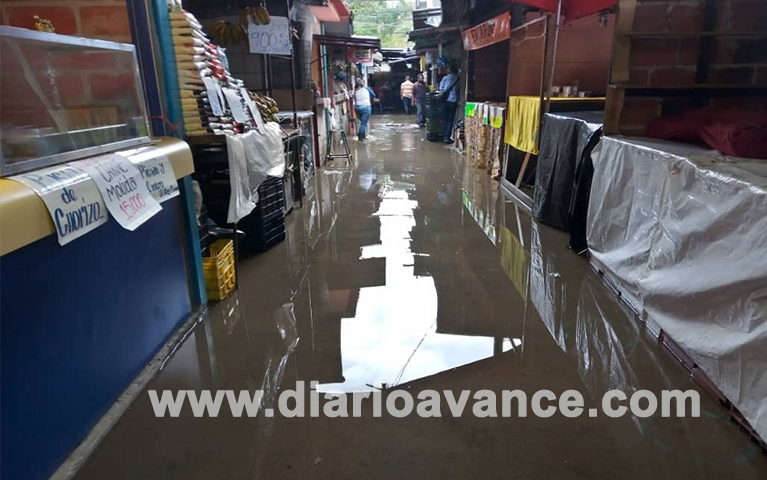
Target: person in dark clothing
[[419, 95]]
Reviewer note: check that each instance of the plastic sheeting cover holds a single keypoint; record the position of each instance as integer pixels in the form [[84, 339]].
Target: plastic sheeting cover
[[682, 232], [565, 139], [253, 157]]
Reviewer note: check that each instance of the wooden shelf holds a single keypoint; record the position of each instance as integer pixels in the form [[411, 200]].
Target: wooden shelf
[[693, 34], [698, 86]]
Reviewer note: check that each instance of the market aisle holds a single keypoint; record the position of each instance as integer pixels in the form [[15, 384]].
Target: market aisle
[[410, 270]]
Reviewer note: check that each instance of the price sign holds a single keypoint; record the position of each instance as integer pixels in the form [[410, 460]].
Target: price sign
[[123, 189], [272, 39], [71, 197], [157, 172]]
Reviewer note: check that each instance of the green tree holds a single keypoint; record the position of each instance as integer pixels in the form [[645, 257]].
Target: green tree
[[389, 20]]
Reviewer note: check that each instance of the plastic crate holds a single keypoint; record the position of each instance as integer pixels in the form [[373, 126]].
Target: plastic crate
[[265, 226], [434, 113], [219, 271], [271, 196]]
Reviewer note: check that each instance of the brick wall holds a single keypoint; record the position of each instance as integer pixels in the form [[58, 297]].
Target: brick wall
[[583, 55], [672, 62], [87, 86], [104, 19]]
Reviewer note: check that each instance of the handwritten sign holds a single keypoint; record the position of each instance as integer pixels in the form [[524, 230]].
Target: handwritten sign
[[235, 105], [212, 87], [158, 174], [123, 189], [71, 197], [272, 39]]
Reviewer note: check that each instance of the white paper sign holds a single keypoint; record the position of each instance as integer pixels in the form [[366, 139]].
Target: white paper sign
[[158, 174], [272, 39], [213, 95], [72, 199], [253, 110], [235, 105], [122, 188]]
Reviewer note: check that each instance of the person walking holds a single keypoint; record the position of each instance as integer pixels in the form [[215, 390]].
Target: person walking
[[448, 87], [406, 93], [420, 90], [363, 107]]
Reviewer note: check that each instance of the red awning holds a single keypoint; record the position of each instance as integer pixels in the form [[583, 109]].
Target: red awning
[[335, 11], [341, 9], [492, 31], [572, 9], [324, 14]]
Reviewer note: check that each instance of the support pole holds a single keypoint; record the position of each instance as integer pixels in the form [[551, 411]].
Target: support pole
[[557, 24], [293, 66], [543, 105]]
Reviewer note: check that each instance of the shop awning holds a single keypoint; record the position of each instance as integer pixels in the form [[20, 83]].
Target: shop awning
[[432, 31], [334, 11], [487, 33], [324, 14], [572, 9], [353, 41]]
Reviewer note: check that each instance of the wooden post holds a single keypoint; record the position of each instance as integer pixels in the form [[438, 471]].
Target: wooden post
[[521, 175]]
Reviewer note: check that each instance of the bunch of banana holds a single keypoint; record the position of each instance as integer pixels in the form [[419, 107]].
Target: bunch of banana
[[227, 33], [257, 15], [43, 25], [266, 106]]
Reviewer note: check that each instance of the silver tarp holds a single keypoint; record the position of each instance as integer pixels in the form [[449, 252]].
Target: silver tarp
[[682, 233]]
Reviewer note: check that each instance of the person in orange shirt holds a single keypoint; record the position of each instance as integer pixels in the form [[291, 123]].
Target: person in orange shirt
[[406, 93]]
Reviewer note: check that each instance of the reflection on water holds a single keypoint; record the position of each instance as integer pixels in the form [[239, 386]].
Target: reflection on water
[[392, 338]]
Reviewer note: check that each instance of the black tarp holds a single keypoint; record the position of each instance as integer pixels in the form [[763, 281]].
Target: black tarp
[[566, 141]]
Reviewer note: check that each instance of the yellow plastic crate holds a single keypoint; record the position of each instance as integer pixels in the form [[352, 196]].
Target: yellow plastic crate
[[218, 269]]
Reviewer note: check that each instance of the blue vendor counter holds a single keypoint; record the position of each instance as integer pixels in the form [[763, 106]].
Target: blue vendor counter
[[79, 322]]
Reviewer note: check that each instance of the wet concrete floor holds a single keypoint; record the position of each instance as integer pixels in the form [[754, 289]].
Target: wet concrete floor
[[410, 270]]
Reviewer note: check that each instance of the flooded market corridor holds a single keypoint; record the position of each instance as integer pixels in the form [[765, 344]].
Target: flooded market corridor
[[410, 270]]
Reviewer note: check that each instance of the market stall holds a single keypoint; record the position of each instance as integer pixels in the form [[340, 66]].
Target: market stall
[[239, 148], [553, 67], [97, 220], [344, 61], [679, 231]]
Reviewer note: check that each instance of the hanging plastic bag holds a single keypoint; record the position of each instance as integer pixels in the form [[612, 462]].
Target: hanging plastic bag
[[241, 201], [265, 155]]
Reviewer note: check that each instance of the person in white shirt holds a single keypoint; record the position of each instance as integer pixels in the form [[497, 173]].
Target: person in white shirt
[[363, 107]]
